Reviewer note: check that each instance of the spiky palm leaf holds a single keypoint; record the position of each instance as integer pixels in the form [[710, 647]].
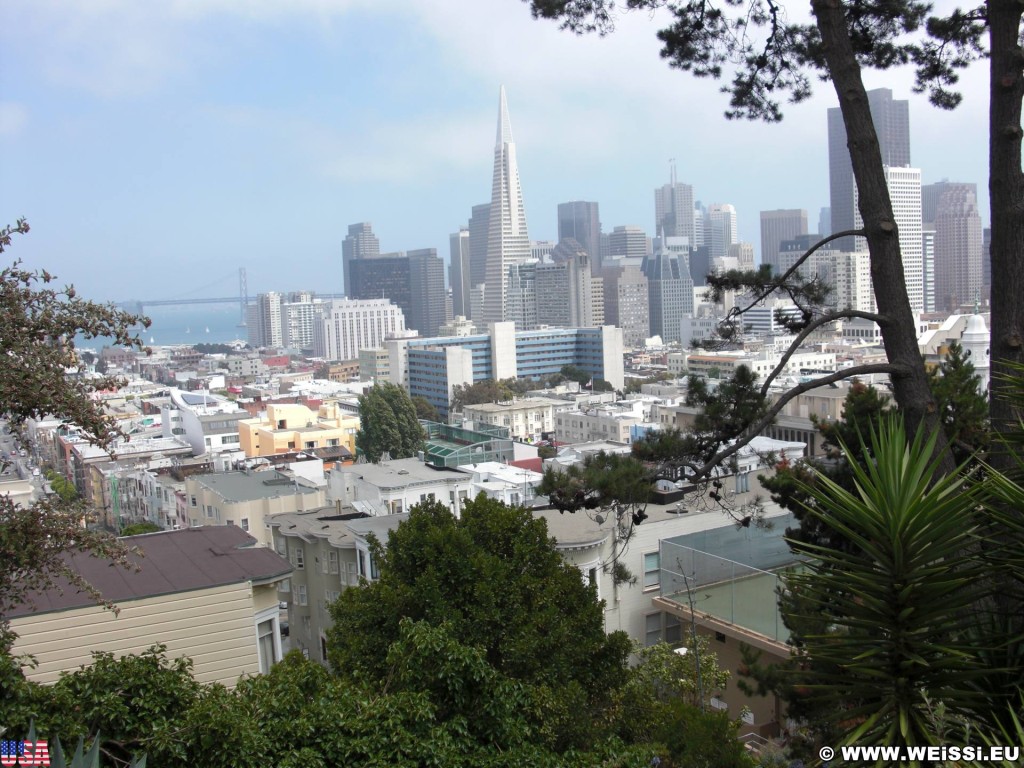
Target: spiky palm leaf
[[899, 602]]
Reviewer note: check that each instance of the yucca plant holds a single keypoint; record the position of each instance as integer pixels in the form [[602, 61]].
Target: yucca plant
[[898, 604], [80, 758]]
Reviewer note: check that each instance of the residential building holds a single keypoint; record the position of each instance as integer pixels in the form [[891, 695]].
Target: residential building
[[525, 419], [508, 242], [892, 125], [292, 427], [299, 314], [266, 330], [393, 486], [248, 499], [208, 422], [214, 593], [374, 364], [348, 326]]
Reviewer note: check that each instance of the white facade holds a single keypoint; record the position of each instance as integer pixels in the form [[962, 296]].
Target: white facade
[[350, 325], [905, 192], [524, 419]]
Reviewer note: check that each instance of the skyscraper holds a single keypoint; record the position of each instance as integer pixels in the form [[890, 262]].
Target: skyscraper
[[628, 241], [361, 243], [905, 192], [413, 281], [508, 243], [669, 292], [892, 124], [581, 221], [958, 243], [673, 210], [778, 226], [720, 229], [479, 221], [459, 271]]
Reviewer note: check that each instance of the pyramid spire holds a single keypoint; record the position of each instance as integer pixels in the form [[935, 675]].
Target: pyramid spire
[[504, 124], [508, 243]]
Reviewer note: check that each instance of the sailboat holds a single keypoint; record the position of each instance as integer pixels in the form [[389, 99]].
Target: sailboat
[[207, 329]]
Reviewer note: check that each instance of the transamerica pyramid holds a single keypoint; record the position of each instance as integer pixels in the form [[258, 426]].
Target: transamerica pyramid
[[507, 240]]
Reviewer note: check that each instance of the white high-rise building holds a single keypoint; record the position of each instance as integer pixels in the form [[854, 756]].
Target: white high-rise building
[[298, 317], [508, 243], [350, 325], [265, 321], [720, 229], [905, 192]]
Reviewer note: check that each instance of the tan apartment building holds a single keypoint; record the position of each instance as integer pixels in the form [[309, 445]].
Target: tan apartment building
[[289, 427], [206, 593], [248, 499]]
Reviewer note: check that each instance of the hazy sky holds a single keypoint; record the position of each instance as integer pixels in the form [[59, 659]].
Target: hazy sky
[[157, 146]]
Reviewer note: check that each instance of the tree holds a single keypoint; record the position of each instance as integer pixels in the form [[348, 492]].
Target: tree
[[898, 602], [488, 391], [494, 578], [136, 529], [388, 423], [771, 59], [963, 410], [425, 409], [38, 326]]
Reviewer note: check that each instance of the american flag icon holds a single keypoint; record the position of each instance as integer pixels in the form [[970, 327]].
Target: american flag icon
[[24, 753]]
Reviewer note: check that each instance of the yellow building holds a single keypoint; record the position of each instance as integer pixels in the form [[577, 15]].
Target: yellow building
[[205, 593], [291, 427]]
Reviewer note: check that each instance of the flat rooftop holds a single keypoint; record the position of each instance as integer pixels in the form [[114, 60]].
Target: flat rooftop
[[250, 486]]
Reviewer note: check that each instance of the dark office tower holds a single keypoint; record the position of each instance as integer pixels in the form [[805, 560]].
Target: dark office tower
[[776, 227], [361, 243], [383, 277], [825, 221], [628, 241], [892, 124], [459, 271], [427, 292], [953, 207], [700, 264], [478, 224], [581, 221]]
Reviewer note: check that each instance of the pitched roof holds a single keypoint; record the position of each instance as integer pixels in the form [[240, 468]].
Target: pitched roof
[[170, 561]]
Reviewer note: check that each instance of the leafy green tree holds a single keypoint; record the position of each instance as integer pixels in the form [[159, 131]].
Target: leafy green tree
[[39, 324], [574, 373], [388, 423], [963, 409], [489, 391], [495, 579], [425, 410]]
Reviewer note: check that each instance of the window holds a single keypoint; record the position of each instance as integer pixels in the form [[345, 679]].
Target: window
[[652, 569], [282, 547], [193, 501], [265, 644], [300, 590], [332, 561], [285, 586], [652, 629], [231, 522], [209, 510], [298, 558], [245, 523], [673, 629]]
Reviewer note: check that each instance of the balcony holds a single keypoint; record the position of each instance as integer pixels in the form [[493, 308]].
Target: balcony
[[730, 578]]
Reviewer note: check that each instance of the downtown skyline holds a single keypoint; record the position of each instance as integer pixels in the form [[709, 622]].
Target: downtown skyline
[[156, 151]]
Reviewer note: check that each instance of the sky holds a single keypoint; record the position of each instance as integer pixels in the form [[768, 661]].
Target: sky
[[156, 147]]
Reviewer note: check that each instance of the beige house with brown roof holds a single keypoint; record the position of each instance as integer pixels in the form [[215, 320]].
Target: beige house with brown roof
[[207, 593]]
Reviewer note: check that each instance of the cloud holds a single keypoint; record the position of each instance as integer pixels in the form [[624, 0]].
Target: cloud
[[13, 118]]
